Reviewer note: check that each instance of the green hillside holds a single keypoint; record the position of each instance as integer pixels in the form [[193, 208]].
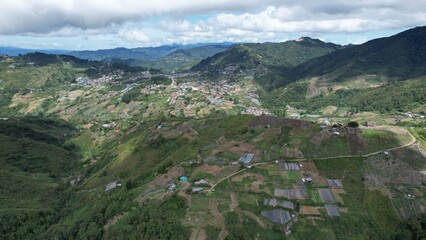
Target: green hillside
[[399, 96], [127, 153], [251, 56], [36, 157], [360, 77], [401, 56], [147, 160]]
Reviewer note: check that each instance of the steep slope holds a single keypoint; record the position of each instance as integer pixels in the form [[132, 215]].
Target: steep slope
[[360, 77], [400, 56], [34, 156]]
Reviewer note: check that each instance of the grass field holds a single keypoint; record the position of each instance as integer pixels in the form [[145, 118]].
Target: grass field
[[200, 202], [293, 174], [376, 140]]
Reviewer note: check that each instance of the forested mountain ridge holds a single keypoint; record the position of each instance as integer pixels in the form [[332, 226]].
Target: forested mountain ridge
[[401, 56], [253, 55]]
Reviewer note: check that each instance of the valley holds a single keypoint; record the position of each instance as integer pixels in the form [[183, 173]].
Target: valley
[[247, 141]]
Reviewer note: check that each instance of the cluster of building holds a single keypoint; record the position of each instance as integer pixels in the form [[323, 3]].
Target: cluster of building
[[257, 111], [414, 115], [117, 75]]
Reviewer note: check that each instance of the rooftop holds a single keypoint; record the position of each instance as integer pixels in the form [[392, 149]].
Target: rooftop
[[247, 158]]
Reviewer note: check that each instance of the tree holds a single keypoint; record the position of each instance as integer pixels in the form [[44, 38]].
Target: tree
[[353, 124]]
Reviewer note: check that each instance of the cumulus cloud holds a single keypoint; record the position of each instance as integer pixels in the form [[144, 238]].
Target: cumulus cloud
[[42, 16], [237, 20], [272, 22], [134, 35]]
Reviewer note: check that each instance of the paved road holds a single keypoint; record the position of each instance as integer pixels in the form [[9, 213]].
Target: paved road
[[390, 128]]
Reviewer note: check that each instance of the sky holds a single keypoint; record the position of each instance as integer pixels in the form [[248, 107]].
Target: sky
[[102, 24]]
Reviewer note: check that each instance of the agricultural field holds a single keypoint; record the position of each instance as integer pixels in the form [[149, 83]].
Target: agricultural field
[[115, 152], [239, 192]]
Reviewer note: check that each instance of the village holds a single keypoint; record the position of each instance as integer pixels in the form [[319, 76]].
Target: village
[[294, 183]]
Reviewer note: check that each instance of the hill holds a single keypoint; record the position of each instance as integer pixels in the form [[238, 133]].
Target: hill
[[401, 56], [147, 161], [348, 77], [396, 97], [35, 156], [270, 56], [120, 152]]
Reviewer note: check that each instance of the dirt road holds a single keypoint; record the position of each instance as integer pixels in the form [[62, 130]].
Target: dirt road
[[395, 129]]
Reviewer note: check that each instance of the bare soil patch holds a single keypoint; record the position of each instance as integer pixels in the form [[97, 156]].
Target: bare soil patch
[[343, 209], [356, 144], [237, 148], [310, 170], [242, 148], [235, 205], [219, 219], [75, 93], [272, 132], [187, 197], [313, 89], [309, 210], [292, 152], [210, 169], [337, 194], [113, 221], [321, 136], [162, 180], [329, 110]]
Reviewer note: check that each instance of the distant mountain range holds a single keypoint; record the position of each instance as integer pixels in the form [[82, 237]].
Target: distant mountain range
[[14, 51], [183, 58], [141, 54]]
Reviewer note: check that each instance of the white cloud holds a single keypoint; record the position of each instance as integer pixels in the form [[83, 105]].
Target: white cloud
[[134, 35], [132, 21], [42, 16]]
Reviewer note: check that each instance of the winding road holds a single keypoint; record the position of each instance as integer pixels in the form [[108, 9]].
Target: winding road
[[397, 130]]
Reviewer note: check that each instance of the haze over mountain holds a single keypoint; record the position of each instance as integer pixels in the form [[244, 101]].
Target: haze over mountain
[[15, 51]]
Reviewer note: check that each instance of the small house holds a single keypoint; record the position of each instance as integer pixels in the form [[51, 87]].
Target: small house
[[247, 158], [111, 186], [307, 180], [334, 183], [201, 182], [197, 190], [171, 187]]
